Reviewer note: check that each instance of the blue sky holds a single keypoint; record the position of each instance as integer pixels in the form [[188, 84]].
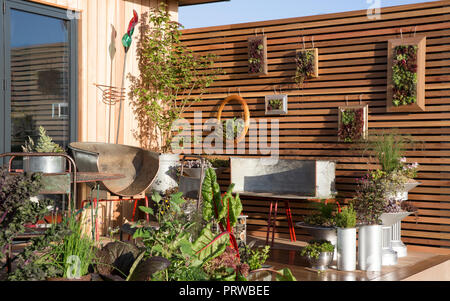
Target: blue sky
[[241, 11]]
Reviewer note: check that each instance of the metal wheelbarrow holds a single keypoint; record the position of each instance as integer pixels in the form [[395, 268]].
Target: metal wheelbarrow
[[139, 166]]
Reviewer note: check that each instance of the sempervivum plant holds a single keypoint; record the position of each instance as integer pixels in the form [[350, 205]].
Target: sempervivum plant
[[256, 55], [351, 127], [404, 75], [275, 104], [305, 62]]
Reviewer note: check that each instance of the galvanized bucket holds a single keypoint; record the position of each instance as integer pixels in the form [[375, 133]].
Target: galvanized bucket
[[44, 164], [370, 248], [321, 263], [346, 249]]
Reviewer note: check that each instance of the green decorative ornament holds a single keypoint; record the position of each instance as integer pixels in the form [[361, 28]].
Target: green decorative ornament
[[126, 41]]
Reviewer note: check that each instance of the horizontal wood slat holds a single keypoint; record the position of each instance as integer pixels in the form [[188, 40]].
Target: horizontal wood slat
[[352, 66]]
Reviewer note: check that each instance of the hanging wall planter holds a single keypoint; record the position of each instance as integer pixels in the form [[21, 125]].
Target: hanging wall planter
[[406, 75], [234, 129], [353, 123], [276, 104], [307, 65], [257, 55]]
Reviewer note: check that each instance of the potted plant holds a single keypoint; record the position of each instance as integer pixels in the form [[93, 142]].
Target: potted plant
[[395, 175], [257, 55], [352, 123], [44, 164], [276, 104], [322, 224], [369, 204], [346, 239], [307, 65], [319, 254], [168, 73]]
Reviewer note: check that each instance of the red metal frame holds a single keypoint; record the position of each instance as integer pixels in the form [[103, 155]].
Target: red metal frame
[[271, 222]]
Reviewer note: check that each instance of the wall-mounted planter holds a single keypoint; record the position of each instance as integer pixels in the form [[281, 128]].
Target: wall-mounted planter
[[257, 55], [307, 64], [238, 130], [276, 104], [406, 75], [353, 123]]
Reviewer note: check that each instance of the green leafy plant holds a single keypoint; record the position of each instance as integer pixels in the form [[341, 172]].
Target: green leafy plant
[[75, 245], [255, 257], [44, 144], [404, 75], [315, 247], [224, 210], [305, 65], [325, 215], [171, 78], [346, 218]]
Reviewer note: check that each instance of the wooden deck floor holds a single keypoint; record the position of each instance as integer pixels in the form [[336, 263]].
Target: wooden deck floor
[[418, 266]]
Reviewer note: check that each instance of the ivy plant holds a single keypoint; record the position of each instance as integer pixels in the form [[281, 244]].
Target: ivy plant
[[171, 78]]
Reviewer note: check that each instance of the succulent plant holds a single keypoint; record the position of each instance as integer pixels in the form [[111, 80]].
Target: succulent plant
[[44, 144]]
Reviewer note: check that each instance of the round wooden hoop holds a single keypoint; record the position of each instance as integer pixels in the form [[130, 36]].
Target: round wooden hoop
[[244, 105]]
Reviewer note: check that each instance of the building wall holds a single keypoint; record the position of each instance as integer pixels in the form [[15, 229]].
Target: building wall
[[352, 65], [99, 19]]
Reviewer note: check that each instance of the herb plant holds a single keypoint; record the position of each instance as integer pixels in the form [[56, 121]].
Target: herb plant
[[325, 215], [315, 247], [346, 218], [257, 257], [404, 75], [305, 65]]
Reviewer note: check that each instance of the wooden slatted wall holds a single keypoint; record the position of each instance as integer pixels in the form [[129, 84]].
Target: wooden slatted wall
[[352, 62]]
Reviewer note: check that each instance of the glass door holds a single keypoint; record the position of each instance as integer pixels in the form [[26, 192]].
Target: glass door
[[40, 74]]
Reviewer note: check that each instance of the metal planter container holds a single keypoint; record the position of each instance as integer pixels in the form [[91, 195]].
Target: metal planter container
[[370, 248], [321, 263], [346, 249], [320, 233], [44, 164], [167, 174]]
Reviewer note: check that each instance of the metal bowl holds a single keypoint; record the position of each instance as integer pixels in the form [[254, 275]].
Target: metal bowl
[[322, 263]]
